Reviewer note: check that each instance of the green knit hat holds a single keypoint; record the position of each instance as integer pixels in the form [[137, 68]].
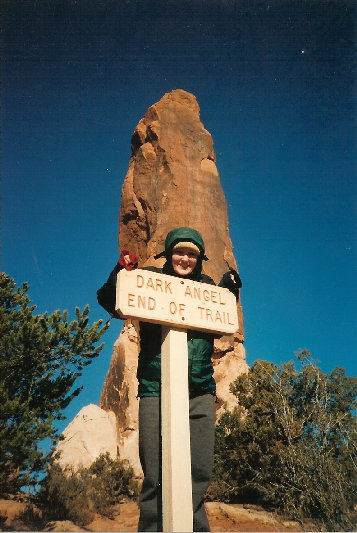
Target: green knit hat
[[183, 234]]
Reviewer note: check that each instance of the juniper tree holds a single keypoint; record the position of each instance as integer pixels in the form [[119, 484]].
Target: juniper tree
[[42, 355], [291, 442]]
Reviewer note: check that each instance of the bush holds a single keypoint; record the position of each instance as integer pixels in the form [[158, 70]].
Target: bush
[[76, 496], [291, 443], [111, 482], [64, 496]]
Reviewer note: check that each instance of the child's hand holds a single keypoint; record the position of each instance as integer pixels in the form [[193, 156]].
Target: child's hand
[[128, 260]]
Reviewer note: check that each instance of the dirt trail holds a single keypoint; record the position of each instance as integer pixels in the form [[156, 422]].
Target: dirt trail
[[222, 517]]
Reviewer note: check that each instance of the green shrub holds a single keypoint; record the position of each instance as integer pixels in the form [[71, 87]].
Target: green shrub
[[76, 496], [64, 496], [111, 482], [291, 443]]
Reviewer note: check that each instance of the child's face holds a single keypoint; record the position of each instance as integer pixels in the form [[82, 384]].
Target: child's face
[[184, 261]]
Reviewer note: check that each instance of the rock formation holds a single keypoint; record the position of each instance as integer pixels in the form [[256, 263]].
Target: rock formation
[[93, 431], [172, 181]]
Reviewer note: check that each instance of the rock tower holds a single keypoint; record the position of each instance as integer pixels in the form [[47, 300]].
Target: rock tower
[[172, 181]]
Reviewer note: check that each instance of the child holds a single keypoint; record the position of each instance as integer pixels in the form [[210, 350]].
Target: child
[[184, 253]]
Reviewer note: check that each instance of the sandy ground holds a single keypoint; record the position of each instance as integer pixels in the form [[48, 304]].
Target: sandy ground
[[222, 517]]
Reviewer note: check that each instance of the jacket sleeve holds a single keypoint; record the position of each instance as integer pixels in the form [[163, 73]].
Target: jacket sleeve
[[107, 293]]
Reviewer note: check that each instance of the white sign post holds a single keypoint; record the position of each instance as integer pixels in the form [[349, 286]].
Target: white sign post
[[178, 304], [175, 432]]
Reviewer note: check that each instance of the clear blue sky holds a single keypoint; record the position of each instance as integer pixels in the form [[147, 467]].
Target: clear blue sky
[[276, 84]]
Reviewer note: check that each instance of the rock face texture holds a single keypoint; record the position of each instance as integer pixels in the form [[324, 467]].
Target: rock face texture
[[172, 181], [93, 431]]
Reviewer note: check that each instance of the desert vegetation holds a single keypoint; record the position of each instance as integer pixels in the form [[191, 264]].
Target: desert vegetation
[[77, 496], [290, 443], [42, 356]]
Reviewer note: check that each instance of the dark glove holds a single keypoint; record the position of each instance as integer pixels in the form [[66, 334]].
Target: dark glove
[[232, 284], [133, 260], [237, 280]]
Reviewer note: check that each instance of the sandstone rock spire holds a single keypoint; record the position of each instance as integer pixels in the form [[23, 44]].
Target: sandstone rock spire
[[172, 181]]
